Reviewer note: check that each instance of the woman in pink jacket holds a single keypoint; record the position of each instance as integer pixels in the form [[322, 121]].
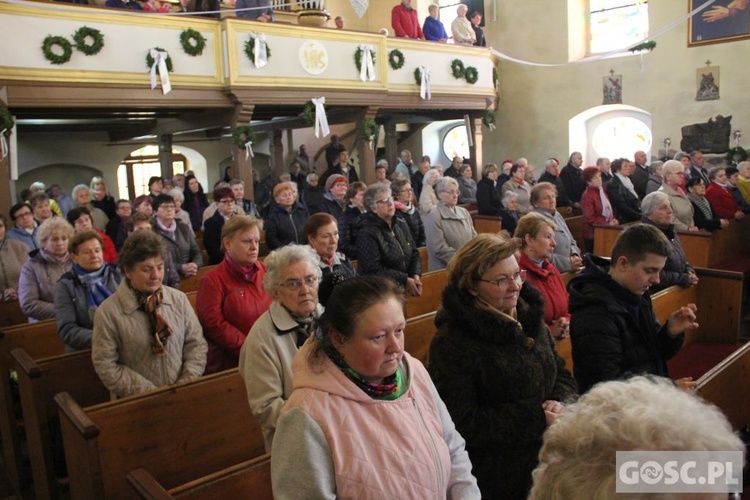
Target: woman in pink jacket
[[231, 296], [595, 206], [364, 420]]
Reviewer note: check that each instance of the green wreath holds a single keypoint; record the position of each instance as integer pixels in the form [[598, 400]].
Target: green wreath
[[494, 77], [736, 155], [308, 112], [358, 58], [488, 120], [242, 135], [150, 60], [650, 45], [250, 48], [418, 76], [457, 68], [6, 121], [81, 37], [192, 42], [471, 74], [396, 59], [56, 41], [369, 128]]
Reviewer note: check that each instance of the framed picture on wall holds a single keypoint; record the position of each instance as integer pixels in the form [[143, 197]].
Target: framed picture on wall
[[723, 21]]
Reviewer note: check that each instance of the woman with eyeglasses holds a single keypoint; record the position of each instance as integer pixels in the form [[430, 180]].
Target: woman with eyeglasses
[[384, 243], [292, 277], [495, 366], [673, 173], [536, 234], [448, 227], [179, 238], [231, 297], [405, 209]]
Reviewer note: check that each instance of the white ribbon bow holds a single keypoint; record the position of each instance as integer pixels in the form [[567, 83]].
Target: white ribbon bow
[[3, 145], [424, 87], [366, 68], [321, 120], [260, 52], [248, 150], [160, 60]]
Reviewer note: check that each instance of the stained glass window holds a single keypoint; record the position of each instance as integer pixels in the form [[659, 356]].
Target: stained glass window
[[620, 137], [616, 24]]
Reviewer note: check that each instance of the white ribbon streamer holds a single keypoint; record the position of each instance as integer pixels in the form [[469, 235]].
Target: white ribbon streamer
[[260, 51], [160, 60], [321, 120], [424, 86], [3, 145], [249, 150], [366, 68]]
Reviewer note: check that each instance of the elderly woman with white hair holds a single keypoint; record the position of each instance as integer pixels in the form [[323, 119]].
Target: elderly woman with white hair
[[82, 196], [579, 452], [447, 227], [673, 173], [655, 176], [179, 198], [46, 265], [292, 277], [428, 200], [463, 33], [657, 211]]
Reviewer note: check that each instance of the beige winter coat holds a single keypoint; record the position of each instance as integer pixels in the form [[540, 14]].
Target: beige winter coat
[[681, 206], [121, 343]]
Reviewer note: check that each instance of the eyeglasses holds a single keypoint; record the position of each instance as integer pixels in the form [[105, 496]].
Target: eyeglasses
[[167, 206], [18, 216], [385, 201], [409, 190], [309, 281], [519, 277]]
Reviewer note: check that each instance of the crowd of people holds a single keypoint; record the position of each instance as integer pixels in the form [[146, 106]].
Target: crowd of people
[[317, 339]]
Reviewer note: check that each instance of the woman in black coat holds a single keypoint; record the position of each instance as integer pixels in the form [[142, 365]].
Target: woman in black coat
[[703, 213], [495, 366], [285, 223], [488, 197], [195, 201], [406, 211]]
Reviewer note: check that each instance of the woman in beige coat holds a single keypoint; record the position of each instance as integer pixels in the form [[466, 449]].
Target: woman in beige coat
[[146, 335], [673, 173], [447, 227]]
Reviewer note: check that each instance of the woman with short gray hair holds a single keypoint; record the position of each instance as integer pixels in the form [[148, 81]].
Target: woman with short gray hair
[[385, 245], [447, 227], [46, 265], [292, 277], [657, 211], [179, 198], [509, 213], [673, 173], [467, 186], [428, 199]]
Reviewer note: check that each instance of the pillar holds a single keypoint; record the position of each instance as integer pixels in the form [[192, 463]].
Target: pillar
[[366, 149], [242, 164], [165, 155]]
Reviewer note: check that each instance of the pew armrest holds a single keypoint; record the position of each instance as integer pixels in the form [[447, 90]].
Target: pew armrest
[[28, 365], [75, 414], [146, 487]]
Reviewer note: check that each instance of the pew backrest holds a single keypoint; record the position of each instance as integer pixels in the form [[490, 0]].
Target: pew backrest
[[11, 314], [418, 335], [432, 292], [727, 386], [178, 433]]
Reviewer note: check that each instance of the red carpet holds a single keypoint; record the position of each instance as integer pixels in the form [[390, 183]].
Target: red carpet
[[697, 358]]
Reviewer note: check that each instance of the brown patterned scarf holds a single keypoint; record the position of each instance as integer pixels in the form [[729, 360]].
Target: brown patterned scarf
[[160, 330]]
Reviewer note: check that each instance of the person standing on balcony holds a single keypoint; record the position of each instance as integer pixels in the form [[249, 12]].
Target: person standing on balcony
[[476, 20], [405, 21], [433, 28], [256, 10], [463, 32]]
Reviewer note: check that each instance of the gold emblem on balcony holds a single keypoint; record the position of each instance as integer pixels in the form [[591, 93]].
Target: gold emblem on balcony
[[313, 57]]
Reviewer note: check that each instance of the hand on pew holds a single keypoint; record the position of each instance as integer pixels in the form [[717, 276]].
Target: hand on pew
[[414, 286], [560, 328], [682, 319], [692, 278], [686, 384]]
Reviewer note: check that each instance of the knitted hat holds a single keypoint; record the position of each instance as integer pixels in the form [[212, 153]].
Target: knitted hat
[[335, 179]]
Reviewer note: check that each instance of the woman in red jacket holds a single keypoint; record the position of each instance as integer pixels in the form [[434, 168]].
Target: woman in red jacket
[[231, 296], [718, 194], [537, 238], [595, 206]]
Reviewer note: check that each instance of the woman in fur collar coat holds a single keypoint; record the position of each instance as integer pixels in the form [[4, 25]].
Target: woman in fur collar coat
[[494, 364]]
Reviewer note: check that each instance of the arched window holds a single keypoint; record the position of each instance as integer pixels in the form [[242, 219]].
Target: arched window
[[616, 24], [456, 142], [135, 170], [612, 131]]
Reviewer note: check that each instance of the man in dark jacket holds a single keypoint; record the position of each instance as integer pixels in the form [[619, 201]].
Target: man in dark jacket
[[613, 329], [640, 173], [571, 178], [342, 167], [552, 175], [622, 194]]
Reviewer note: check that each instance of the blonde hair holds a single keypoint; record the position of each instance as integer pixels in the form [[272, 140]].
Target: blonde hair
[[530, 224], [240, 223], [577, 459]]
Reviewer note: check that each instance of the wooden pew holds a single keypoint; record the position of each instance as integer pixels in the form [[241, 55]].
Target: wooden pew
[[486, 223], [432, 293], [702, 248], [727, 386], [418, 335], [11, 314], [575, 224], [39, 340], [178, 433], [250, 479], [191, 284], [38, 383]]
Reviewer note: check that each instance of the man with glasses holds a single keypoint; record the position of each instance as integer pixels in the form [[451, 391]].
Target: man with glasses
[[25, 226], [613, 329], [227, 208]]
